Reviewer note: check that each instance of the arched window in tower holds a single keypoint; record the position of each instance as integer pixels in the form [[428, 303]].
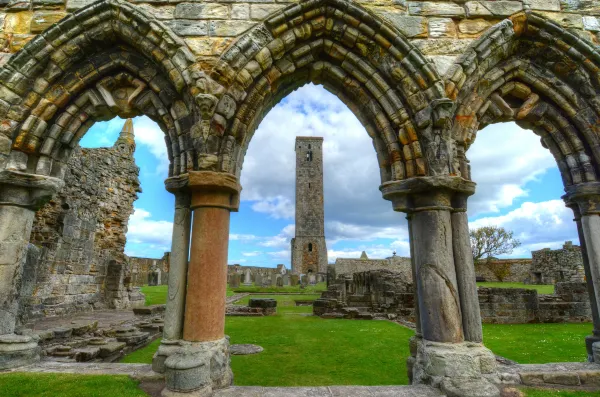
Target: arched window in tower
[[309, 247], [309, 155], [309, 185], [309, 146]]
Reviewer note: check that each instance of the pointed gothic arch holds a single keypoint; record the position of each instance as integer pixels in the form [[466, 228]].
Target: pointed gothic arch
[[390, 86], [105, 60], [530, 70]]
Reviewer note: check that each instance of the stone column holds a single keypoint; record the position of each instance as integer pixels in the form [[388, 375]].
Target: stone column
[[178, 267], [465, 271], [584, 200], [201, 362], [443, 358], [21, 195]]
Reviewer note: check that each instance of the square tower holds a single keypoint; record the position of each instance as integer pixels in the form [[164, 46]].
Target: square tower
[[309, 252]]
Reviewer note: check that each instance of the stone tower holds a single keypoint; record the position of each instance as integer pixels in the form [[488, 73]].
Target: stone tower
[[309, 252]]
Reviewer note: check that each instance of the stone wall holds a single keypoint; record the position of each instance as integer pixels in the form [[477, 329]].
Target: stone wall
[[76, 260], [349, 266], [141, 268], [387, 294], [440, 29], [506, 270], [560, 265]]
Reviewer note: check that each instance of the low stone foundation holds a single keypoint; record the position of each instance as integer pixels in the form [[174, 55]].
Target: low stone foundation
[[458, 369], [385, 294], [193, 368]]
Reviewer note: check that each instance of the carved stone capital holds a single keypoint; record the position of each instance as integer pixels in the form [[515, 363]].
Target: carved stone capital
[[208, 189], [27, 190], [584, 197], [428, 193]]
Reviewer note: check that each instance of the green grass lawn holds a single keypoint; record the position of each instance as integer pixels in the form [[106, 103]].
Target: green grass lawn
[[143, 355], [303, 350], [285, 303], [68, 385], [541, 289], [309, 289], [157, 295], [538, 343]]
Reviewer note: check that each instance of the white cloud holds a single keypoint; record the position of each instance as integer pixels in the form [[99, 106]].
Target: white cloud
[[243, 237], [277, 207], [252, 253], [536, 225], [503, 159], [142, 230], [149, 134]]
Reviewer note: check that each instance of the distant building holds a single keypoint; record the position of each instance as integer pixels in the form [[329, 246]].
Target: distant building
[[309, 252]]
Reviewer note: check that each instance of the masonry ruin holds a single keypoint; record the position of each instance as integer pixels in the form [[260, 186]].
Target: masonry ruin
[[423, 78], [75, 259]]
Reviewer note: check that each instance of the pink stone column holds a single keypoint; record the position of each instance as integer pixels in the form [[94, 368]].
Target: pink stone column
[[214, 196]]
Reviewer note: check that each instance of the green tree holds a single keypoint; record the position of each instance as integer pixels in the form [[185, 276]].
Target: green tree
[[489, 241]]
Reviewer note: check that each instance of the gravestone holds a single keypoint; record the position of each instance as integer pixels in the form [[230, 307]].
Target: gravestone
[[286, 280], [258, 280], [312, 279], [294, 280], [303, 279], [279, 281], [247, 278], [234, 281]]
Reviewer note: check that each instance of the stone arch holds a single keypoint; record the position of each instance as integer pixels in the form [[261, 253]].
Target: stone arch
[[105, 60], [530, 70], [390, 86]]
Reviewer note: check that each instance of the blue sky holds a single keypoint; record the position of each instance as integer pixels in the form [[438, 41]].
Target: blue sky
[[519, 186]]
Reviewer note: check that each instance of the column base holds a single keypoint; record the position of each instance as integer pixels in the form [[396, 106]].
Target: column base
[[18, 351], [589, 341], [458, 369], [194, 368]]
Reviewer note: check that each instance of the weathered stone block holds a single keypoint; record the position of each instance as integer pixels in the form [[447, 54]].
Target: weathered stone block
[[442, 27], [228, 28], [262, 11], [436, 9], [544, 5], [18, 22], [185, 27], [201, 11], [410, 26], [42, 20], [493, 8], [240, 11], [262, 303]]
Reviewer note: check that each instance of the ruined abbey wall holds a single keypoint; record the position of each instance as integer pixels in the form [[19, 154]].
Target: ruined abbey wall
[[440, 29], [141, 269], [76, 260]]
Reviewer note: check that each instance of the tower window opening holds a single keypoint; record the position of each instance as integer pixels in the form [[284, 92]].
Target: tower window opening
[[309, 185], [309, 247], [309, 155], [309, 146]]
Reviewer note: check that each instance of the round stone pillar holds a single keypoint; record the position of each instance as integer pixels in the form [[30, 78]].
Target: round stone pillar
[[203, 348], [214, 195], [444, 279], [465, 270], [584, 200], [178, 267], [21, 194]]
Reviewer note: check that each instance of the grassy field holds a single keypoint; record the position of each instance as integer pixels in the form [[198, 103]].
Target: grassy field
[[68, 385], [157, 295], [302, 350], [537, 343], [541, 289], [309, 289]]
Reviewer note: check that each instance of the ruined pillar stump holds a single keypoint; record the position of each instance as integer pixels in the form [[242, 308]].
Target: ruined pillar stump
[[199, 362], [21, 195], [446, 295]]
